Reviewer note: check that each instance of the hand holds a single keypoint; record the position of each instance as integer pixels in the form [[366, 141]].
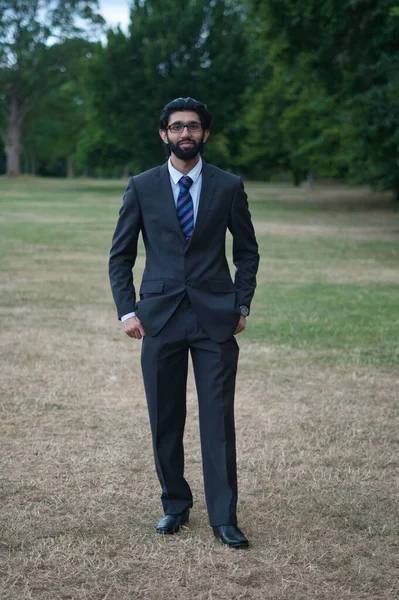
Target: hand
[[242, 323], [133, 328]]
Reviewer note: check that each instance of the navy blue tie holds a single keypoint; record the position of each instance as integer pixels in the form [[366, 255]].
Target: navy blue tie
[[185, 207]]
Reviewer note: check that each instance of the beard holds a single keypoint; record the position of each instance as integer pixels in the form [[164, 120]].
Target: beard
[[188, 153]]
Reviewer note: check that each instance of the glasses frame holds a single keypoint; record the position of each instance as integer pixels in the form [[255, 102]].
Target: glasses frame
[[185, 126]]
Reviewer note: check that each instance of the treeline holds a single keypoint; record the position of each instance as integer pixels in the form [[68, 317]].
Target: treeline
[[297, 87]]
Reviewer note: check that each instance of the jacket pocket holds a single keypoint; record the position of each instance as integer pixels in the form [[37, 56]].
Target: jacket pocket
[[221, 287], [152, 287]]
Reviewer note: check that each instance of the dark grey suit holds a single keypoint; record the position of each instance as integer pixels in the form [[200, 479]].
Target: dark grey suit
[[188, 302]]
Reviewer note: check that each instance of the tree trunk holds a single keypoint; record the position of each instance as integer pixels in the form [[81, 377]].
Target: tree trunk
[[12, 144], [298, 176], [70, 168]]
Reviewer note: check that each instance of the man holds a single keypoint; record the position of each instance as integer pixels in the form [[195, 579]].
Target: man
[[188, 302]]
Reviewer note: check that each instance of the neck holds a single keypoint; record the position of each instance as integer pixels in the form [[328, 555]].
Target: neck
[[184, 166]]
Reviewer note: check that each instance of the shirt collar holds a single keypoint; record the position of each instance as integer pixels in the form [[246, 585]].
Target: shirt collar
[[176, 175]]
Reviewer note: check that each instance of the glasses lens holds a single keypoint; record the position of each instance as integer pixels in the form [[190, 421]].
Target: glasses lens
[[176, 128], [194, 126]]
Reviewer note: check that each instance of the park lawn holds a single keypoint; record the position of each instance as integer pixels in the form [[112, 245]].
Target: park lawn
[[316, 408], [330, 287]]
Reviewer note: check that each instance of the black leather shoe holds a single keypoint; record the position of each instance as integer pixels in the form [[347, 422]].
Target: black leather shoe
[[172, 523], [231, 535]]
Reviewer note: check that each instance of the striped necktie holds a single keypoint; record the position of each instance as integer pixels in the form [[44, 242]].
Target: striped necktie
[[185, 207]]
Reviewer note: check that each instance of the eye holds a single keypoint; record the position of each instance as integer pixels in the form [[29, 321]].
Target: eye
[[176, 127], [194, 126]]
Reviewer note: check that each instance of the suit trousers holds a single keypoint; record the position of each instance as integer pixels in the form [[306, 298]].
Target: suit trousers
[[164, 361]]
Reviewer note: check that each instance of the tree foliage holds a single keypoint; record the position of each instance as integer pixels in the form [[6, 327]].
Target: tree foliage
[[182, 48], [52, 129], [299, 86], [30, 67], [341, 59]]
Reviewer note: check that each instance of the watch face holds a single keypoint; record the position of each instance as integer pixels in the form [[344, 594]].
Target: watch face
[[244, 311]]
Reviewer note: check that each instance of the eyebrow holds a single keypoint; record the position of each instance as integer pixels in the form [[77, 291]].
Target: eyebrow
[[184, 122]]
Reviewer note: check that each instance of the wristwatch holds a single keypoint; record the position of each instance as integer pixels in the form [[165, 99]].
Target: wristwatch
[[244, 310]]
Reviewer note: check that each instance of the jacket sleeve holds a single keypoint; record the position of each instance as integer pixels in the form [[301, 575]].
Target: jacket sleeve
[[245, 247], [124, 252]]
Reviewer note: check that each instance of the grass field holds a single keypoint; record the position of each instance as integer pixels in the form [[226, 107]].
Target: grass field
[[316, 409]]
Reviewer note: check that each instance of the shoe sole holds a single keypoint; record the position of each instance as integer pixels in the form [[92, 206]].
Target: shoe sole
[[243, 546]]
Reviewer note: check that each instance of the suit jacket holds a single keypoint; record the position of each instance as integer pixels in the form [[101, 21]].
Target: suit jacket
[[174, 267]]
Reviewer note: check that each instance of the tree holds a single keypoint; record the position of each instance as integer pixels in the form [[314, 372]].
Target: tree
[[30, 68], [348, 51], [52, 129], [180, 48]]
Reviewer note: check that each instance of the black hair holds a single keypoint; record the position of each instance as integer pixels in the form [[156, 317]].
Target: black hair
[[189, 104]]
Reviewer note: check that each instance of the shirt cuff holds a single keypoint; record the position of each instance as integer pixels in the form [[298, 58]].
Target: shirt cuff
[[128, 316]]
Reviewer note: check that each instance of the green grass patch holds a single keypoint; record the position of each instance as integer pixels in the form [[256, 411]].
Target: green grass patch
[[327, 250], [357, 322], [319, 291]]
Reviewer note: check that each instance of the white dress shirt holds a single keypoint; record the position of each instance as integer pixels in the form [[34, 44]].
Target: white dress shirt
[[195, 191]]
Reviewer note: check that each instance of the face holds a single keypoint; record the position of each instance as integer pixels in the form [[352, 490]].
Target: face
[[186, 145]]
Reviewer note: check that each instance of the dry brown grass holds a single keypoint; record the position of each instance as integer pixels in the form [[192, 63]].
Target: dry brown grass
[[317, 450], [317, 468]]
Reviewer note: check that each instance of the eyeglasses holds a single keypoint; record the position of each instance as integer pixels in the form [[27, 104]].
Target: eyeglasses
[[179, 127]]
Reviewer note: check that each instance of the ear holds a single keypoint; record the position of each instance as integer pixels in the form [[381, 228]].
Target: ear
[[164, 136], [207, 133]]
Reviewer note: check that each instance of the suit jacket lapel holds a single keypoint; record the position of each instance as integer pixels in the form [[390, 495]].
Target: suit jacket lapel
[[168, 206], [206, 196]]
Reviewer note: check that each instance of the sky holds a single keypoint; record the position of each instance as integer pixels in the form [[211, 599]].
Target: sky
[[115, 11]]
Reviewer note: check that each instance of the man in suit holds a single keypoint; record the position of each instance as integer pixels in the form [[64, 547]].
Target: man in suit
[[188, 303]]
